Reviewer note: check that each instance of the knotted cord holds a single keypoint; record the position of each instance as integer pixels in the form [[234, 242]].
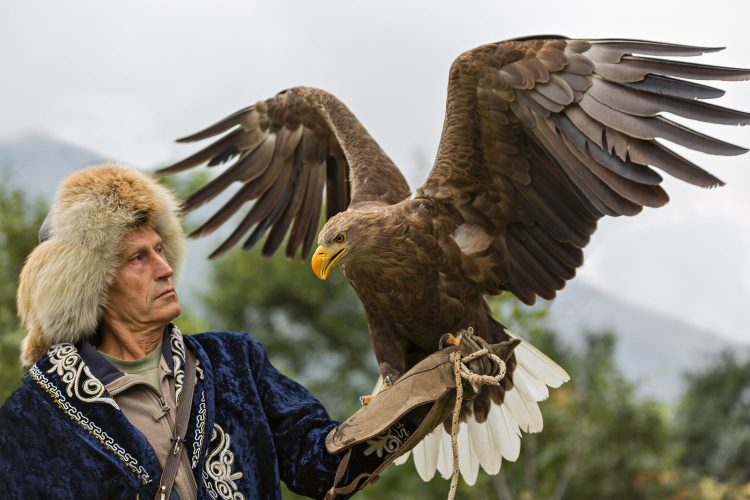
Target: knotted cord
[[461, 371]]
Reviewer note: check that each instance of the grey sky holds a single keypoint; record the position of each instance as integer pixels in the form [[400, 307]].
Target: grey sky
[[127, 78]]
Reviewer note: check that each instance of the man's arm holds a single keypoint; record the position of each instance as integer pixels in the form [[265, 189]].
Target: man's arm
[[372, 438], [299, 424]]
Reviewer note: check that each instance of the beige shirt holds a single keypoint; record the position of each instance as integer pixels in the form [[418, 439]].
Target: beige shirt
[[155, 416]]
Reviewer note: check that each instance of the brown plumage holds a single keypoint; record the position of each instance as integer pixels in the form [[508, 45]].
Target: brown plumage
[[542, 137]]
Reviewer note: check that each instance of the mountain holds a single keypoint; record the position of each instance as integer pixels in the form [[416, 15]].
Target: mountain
[[38, 161], [653, 349]]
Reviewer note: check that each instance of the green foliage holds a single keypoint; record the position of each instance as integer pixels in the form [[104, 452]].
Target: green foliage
[[713, 422], [20, 219], [599, 440], [312, 329], [606, 443], [185, 185]]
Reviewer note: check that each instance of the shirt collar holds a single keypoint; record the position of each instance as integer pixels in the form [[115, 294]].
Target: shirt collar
[[106, 371]]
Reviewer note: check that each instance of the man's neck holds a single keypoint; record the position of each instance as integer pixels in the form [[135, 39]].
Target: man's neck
[[129, 344]]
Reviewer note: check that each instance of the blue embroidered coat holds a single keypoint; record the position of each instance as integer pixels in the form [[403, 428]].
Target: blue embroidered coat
[[63, 436]]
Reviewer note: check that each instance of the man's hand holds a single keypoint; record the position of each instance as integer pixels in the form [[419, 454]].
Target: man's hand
[[395, 420]]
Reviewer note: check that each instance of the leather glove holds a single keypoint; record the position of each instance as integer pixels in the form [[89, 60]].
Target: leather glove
[[399, 417]]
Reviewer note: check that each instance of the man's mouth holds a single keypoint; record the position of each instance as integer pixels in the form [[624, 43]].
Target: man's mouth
[[166, 292]]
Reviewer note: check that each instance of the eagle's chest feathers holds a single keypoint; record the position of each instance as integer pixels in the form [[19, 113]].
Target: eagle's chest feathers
[[389, 276], [399, 273]]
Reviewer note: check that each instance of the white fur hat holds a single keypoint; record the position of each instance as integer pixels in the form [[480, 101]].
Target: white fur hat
[[64, 283]]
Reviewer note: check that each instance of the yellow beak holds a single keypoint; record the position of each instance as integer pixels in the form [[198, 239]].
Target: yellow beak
[[323, 262]]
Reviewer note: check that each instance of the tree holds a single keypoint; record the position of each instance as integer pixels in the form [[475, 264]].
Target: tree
[[713, 421], [599, 440], [314, 331], [20, 219]]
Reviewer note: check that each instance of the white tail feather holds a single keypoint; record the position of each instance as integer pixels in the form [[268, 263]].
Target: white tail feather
[[426, 454], [487, 451], [499, 437], [401, 460], [529, 386], [526, 411], [445, 459], [538, 364], [468, 463], [505, 431]]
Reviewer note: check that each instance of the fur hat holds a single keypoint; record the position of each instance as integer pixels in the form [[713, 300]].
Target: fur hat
[[64, 283]]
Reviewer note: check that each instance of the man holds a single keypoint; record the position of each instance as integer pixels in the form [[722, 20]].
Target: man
[[98, 413]]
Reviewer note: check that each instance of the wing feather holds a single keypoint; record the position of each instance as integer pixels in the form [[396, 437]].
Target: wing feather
[[250, 166], [281, 228], [306, 221], [634, 102], [275, 141], [542, 137], [244, 117], [224, 148], [667, 86]]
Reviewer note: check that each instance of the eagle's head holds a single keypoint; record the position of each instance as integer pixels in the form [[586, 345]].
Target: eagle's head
[[347, 238]]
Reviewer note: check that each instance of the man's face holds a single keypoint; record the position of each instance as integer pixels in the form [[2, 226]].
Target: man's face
[[142, 293]]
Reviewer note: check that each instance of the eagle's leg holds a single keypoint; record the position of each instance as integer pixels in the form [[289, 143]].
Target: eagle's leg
[[387, 383], [391, 351]]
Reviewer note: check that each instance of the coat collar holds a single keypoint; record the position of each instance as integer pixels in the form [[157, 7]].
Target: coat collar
[[106, 372], [73, 379]]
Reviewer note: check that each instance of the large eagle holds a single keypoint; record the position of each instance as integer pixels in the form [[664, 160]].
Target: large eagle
[[542, 137]]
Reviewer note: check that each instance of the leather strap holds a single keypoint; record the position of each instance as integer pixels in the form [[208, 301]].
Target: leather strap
[[180, 429]]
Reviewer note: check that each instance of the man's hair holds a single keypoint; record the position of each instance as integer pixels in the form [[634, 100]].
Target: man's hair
[[63, 286]]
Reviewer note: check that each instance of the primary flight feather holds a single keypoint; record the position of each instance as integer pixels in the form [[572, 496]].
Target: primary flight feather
[[542, 137]]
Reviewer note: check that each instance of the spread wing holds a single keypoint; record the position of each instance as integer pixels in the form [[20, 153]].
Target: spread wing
[[542, 137], [287, 150]]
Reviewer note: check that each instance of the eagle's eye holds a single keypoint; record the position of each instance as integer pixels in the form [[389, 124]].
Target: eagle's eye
[[340, 238]]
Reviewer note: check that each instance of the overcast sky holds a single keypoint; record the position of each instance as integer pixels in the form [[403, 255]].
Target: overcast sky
[[126, 78]]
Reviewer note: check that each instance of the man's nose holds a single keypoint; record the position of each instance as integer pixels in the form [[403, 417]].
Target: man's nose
[[163, 269]]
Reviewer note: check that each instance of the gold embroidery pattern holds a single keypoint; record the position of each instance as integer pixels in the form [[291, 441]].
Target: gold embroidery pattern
[[200, 428], [178, 358], [74, 414], [218, 467], [79, 380], [388, 441]]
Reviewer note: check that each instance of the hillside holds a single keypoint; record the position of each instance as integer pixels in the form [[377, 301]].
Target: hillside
[[652, 348]]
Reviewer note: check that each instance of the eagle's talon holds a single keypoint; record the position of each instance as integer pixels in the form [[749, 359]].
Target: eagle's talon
[[448, 340], [365, 400], [387, 382]]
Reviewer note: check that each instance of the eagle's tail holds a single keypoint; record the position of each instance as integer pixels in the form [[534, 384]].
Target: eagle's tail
[[499, 437]]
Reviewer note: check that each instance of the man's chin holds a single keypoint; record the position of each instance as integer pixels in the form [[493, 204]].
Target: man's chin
[[171, 311]]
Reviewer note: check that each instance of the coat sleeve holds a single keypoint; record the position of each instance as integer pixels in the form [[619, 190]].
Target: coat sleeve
[[40, 458], [299, 424]]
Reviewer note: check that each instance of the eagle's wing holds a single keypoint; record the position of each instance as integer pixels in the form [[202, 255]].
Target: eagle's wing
[[542, 137], [287, 149]]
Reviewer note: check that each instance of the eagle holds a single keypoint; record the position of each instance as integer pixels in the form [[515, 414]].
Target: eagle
[[542, 137]]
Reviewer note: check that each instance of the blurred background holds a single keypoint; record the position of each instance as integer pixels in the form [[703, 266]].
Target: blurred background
[[652, 331]]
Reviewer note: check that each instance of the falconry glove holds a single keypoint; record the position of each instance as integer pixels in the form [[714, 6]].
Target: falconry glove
[[397, 418]]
